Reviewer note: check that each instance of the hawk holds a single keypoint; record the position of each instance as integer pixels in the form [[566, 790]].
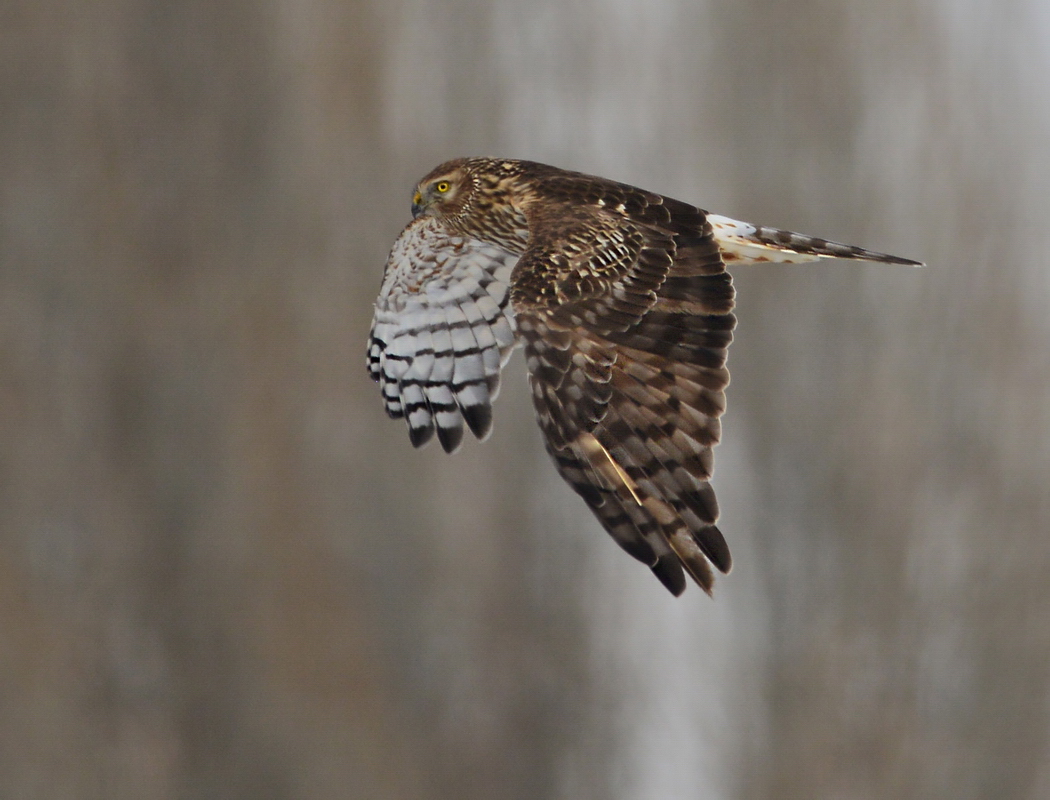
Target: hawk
[[621, 300]]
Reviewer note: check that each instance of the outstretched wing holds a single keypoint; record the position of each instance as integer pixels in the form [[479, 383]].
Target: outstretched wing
[[442, 331], [625, 309]]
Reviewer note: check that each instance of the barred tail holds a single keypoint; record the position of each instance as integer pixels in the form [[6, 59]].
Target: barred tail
[[744, 243]]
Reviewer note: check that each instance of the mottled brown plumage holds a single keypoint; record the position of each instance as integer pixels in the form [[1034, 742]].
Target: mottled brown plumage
[[622, 302]]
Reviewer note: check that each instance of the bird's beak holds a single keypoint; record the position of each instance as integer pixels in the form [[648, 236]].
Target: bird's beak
[[417, 205]]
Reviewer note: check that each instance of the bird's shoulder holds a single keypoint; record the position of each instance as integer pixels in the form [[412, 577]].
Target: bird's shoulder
[[562, 197], [587, 234]]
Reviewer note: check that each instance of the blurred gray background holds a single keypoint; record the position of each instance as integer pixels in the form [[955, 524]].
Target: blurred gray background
[[223, 571]]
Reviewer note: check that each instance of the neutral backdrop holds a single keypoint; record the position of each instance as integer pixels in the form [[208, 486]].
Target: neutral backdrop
[[225, 573]]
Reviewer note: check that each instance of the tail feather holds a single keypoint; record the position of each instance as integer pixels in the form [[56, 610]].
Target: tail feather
[[744, 243]]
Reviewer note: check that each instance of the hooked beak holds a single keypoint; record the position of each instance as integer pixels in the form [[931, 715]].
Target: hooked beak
[[417, 205]]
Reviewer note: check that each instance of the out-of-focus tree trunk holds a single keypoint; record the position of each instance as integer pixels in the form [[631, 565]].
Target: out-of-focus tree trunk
[[899, 419], [225, 573]]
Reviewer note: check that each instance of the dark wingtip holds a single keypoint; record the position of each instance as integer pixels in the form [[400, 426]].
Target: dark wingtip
[[479, 420], [420, 436], [713, 544], [450, 438], [669, 570]]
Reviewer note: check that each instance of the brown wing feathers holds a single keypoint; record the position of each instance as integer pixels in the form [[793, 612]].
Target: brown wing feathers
[[626, 341]]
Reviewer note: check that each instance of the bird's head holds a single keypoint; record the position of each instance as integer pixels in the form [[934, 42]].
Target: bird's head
[[479, 197], [445, 192]]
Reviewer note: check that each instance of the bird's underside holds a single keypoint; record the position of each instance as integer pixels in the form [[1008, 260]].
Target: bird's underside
[[623, 305]]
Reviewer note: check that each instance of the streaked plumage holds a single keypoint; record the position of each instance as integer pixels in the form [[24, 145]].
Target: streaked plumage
[[622, 303]]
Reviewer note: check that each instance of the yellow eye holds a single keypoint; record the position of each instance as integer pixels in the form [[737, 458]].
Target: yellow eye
[[442, 186]]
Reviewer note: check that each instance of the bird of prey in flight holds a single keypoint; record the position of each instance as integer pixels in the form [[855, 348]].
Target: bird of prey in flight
[[622, 302]]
